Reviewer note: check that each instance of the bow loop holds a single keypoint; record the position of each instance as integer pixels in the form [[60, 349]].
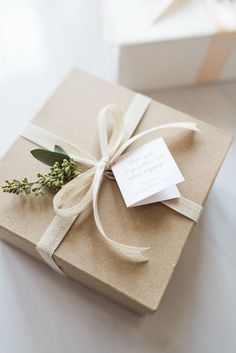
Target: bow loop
[[111, 124], [76, 195]]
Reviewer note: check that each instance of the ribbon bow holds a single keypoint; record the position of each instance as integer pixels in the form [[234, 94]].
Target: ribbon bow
[[81, 192]]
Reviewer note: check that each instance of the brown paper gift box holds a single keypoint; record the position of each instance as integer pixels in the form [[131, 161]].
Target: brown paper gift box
[[71, 113]]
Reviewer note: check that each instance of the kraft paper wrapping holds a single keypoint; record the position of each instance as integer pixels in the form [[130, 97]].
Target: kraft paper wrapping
[[71, 113]]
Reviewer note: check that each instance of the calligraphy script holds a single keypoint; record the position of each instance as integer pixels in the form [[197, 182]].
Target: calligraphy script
[[147, 174]]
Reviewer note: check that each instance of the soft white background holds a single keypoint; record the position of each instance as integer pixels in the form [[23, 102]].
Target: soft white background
[[41, 312]]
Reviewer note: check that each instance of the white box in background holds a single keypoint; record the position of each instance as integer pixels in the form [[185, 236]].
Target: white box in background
[[168, 53]]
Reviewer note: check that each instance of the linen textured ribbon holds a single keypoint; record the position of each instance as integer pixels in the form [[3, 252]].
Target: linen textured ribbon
[[83, 191]]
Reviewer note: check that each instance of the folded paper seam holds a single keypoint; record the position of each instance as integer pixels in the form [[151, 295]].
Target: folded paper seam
[[123, 127]]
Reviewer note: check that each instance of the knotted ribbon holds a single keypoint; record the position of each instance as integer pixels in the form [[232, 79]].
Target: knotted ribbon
[[83, 191]]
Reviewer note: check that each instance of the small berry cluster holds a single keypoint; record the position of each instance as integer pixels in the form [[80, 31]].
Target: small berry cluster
[[60, 174]]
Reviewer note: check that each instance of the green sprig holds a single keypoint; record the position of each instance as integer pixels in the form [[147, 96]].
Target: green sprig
[[63, 169]]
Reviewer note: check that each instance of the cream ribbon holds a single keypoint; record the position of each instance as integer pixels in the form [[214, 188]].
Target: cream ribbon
[[83, 191]]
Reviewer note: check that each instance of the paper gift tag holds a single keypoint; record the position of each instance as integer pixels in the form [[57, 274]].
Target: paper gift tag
[[147, 174]]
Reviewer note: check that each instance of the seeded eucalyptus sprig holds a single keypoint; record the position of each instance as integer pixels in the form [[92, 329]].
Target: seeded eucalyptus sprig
[[62, 170]]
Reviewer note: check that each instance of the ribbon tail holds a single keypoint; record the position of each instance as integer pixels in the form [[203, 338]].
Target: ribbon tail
[[178, 125], [130, 253]]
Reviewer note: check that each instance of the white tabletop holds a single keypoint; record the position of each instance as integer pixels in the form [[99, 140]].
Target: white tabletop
[[42, 312]]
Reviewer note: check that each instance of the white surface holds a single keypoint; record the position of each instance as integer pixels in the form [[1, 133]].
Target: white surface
[[42, 312]]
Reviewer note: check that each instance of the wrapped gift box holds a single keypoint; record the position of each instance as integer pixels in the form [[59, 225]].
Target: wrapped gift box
[[187, 45], [71, 113]]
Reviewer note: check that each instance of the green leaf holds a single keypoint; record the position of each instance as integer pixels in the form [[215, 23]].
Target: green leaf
[[49, 157], [59, 149]]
